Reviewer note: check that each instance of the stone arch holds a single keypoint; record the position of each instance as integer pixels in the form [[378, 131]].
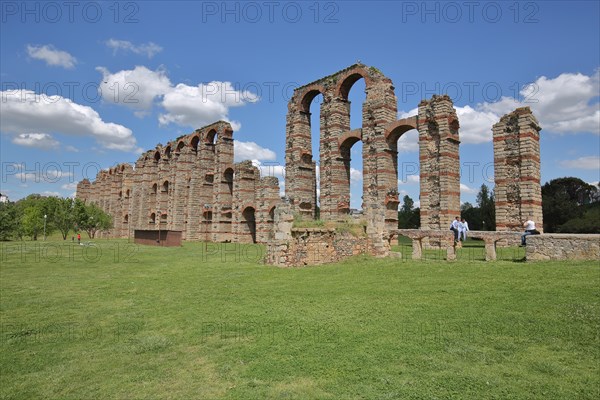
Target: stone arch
[[156, 156], [153, 218], [165, 186], [167, 151], [180, 146], [211, 137], [194, 141]]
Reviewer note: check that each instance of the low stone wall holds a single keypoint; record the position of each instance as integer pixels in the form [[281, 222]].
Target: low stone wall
[[314, 246], [555, 246]]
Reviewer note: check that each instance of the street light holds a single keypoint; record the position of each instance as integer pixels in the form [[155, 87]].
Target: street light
[[158, 213], [45, 217]]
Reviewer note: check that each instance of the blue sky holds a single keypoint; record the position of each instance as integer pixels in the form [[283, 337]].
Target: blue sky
[[90, 85]]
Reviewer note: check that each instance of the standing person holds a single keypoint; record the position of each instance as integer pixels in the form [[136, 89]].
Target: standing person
[[79, 238], [465, 228], [529, 226], [454, 228]]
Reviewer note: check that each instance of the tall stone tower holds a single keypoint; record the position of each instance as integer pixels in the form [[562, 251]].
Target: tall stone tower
[[518, 193]]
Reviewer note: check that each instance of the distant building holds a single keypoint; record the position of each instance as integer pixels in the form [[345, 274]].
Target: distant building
[[3, 198]]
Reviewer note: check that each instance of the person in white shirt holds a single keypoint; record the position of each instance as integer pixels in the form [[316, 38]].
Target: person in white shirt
[[454, 227], [529, 226], [464, 228]]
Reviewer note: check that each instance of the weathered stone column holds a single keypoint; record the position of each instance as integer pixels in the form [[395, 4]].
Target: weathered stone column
[[440, 162], [518, 193]]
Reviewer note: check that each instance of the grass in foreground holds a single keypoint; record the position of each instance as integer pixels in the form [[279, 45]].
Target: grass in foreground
[[210, 321]]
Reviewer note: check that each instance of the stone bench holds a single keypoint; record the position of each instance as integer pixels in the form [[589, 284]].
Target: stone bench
[[563, 246], [446, 238], [491, 238]]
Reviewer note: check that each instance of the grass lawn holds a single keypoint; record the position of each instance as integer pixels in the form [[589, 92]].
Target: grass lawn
[[126, 322]]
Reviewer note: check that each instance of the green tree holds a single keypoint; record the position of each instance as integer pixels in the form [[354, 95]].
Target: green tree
[[409, 217], [9, 221], [472, 215], [563, 200], [90, 218], [487, 208], [33, 221], [63, 217]]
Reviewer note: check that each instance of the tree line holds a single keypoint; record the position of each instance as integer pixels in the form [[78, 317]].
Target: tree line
[[36, 215], [569, 205]]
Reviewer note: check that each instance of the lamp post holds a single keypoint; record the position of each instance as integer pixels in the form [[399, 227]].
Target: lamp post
[[158, 214], [45, 217]]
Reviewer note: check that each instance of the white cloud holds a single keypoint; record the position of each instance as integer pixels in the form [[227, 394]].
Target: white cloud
[[37, 140], [410, 180], [476, 125], [466, 189], [251, 151], [24, 111], [69, 186], [148, 49], [184, 105], [355, 175], [52, 56], [137, 88], [201, 105], [72, 149], [565, 104], [589, 162]]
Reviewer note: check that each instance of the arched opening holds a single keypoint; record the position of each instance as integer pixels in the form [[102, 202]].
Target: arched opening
[[120, 194], [154, 188], [194, 143], [153, 218], [228, 178], [125, 218], [402, 139], [350, 149], [248, 226], [352, 90], [163, 218], [180, 146], [127, 193], [165, 186], [157, 156], [168, 152], [272, 214], [311, 105], [211, 137]]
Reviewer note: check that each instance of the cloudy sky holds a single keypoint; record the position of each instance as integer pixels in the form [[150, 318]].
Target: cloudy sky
[[86, 85]]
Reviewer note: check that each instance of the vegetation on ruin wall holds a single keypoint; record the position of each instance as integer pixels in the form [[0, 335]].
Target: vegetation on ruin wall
[[354, 227], [205, 321]]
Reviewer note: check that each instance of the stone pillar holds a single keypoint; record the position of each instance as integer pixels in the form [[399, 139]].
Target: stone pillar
[[518, 193], [440, 162], [300, 176], [334, 168]]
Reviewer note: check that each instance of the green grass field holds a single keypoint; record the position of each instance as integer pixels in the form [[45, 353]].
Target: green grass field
[[120, 321]]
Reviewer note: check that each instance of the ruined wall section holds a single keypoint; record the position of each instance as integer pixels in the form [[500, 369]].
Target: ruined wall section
[[335, 141], [518, 192], [439, 162], [186, 185]]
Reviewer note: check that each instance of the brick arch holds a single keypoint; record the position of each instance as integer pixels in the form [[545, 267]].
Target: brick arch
[[349, 138], [210, 136], [396, 129], [348, 78], [180, 146], [194, 141], [308, 95]]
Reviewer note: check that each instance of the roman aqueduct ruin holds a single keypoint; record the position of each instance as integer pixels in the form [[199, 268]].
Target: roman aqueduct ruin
[[192, 184]]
